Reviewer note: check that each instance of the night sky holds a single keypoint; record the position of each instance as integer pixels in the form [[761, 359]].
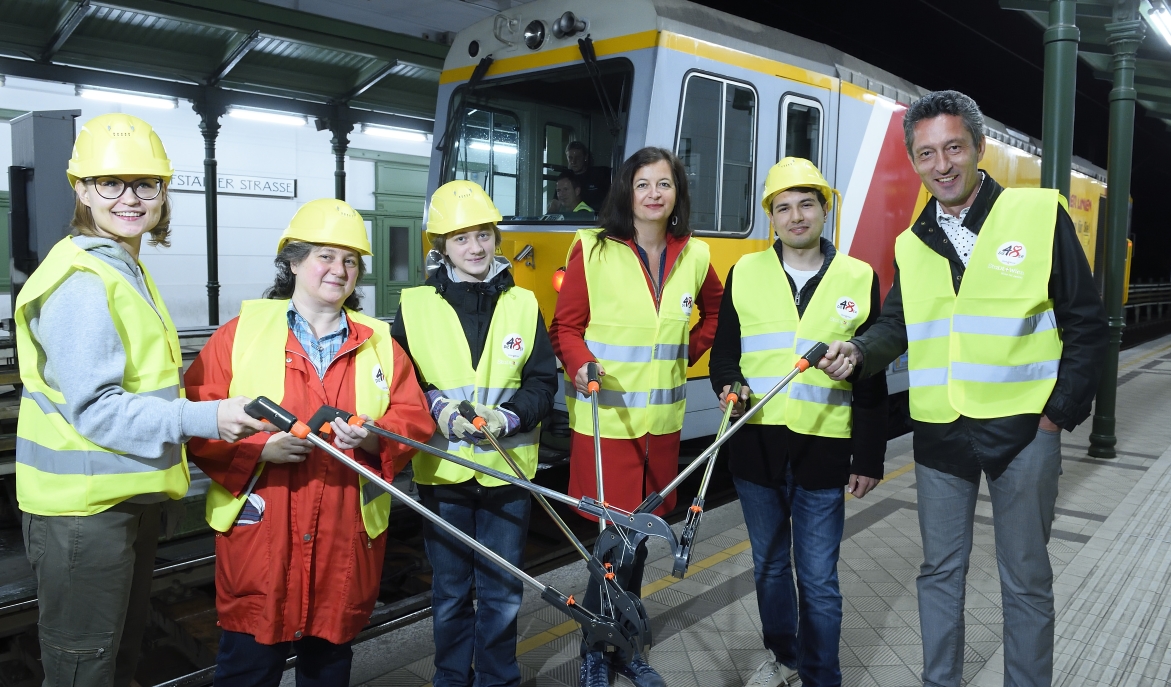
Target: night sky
[[997, 57]]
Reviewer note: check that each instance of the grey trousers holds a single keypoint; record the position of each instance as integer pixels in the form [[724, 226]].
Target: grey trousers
[[1023, 499], [93, 588]]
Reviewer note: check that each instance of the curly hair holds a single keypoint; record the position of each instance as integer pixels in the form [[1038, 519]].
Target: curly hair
[[285, 282]]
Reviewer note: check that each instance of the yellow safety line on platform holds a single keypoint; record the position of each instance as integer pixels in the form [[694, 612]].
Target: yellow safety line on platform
[[1130, 365]]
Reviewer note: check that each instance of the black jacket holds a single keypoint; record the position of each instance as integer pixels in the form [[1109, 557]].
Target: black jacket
[[966, 446], [474, 304], [817, 462]]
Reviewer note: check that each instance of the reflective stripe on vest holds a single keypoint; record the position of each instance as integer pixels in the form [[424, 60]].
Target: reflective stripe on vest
[[993, 349], [258, 369], [643, 350], [443, 358], [773, 337], [59, 471]]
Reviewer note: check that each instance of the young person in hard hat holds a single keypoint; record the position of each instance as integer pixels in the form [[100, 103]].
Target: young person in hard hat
[[790, 462], [302, 540], [102, 425], [626, 303], [995, 305], [475, 336]]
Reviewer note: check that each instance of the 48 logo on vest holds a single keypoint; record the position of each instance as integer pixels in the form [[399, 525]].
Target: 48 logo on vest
[[847, 308], [513, 346], [380, 378], [1011, 253], [687, 303]]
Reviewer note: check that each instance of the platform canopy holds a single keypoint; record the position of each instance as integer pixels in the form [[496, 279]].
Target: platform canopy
[[1153, 67], [236, 52]]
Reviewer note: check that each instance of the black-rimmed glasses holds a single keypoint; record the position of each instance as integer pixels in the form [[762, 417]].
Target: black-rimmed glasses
[[112, 188]]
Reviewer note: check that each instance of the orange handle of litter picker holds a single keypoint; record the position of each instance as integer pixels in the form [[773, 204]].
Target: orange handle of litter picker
[[593, 385], [469, 412]]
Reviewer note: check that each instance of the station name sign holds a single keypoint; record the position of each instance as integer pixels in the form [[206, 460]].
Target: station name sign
[[235, 185]]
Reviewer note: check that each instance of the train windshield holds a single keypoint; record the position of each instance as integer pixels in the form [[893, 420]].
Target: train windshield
[[543, 145]]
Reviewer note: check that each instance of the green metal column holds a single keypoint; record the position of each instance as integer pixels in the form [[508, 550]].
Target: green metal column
[[210, 109], [1061, 39], [1125, 34]]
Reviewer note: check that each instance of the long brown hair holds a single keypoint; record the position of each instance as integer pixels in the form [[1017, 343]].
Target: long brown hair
[[617, 218]]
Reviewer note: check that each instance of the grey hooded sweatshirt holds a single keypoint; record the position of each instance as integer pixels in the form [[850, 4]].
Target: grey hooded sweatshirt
[[85, 360]]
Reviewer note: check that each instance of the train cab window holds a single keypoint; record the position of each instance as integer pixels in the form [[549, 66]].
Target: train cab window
[[517, 136], [717, 143], [800, 134]]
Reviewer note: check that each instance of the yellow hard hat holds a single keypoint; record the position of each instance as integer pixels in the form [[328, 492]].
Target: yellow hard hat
[[794, 172], [118, 144], [327, 220], [458, 205]]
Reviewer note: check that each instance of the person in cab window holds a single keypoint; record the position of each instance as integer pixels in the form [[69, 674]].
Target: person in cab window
[[103, 420], [626, 303], [994, 303], [302, 537], [476, 337], [790, 462], [568, 201], [594, 181]]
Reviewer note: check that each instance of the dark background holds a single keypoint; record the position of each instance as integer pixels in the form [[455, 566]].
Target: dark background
[[997, 57]]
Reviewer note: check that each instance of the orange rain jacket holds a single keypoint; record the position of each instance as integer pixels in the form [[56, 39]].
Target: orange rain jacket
[[307, 568]]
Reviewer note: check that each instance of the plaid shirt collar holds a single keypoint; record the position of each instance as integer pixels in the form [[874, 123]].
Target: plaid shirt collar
[[321, 352]]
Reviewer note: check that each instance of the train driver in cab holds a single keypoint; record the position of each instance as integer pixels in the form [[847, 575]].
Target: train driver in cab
[[994, 303], [476, 336], [626, 303], [790, 462], [594, 181]]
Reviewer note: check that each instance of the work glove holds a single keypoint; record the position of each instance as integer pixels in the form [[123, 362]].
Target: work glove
[[501, 422], [452, 425]]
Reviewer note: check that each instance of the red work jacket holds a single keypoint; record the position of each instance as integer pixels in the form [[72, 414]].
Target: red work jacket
[[308, 567]]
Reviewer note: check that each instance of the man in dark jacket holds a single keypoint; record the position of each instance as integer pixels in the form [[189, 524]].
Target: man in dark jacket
[[994, 300], [790, 462]]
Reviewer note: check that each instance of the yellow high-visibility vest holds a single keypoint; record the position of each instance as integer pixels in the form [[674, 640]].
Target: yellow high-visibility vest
[[993, 349], [440, 350], [59, 471], [258, 369], [773, 337], [643, 350]]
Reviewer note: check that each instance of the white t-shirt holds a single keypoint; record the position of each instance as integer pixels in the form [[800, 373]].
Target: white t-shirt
[[800, 277]]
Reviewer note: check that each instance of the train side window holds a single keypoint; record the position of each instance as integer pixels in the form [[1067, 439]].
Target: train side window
[[800, 134], [717, 144]]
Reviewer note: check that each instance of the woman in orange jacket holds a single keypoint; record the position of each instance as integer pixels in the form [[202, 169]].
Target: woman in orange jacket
[[302, 541]]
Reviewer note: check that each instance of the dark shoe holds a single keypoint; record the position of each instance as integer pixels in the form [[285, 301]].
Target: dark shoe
[[595, 670], [641, 673]]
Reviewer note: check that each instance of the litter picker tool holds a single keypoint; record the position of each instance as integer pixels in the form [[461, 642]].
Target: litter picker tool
[[595, 387], [597, 628]]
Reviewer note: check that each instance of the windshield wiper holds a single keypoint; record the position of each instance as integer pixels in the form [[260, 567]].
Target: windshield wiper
[[477, 76], [586, 45]]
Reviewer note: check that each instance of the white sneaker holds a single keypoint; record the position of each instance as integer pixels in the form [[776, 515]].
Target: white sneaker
[[771, 673]]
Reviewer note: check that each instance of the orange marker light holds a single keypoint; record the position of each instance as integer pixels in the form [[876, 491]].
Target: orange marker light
[[558, 277]]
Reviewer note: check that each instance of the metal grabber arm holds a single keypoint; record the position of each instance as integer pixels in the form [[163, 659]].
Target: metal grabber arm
[[594, 386], [600, 628], [624, 603], [655, 499]]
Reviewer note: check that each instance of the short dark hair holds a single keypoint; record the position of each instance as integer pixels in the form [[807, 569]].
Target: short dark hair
[[617, 217], [800, 189], [939, 103], [285, 282], [572, 178], [578, 145]]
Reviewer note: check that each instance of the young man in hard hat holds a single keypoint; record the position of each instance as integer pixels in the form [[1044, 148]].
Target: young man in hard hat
[[303, 543], [103, 421], [995, 305], [791, 461], [476, 336]]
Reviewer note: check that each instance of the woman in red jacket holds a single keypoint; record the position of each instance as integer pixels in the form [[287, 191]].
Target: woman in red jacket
[[300, 553], [626, 304]]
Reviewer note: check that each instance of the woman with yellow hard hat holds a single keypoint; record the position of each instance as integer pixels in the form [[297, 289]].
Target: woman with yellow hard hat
[[475, 336], [302, 541], [102, 417]]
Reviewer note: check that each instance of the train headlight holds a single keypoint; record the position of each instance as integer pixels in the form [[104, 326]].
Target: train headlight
[[535, 34]]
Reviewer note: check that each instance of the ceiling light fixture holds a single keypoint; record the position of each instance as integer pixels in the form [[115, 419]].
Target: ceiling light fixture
[[395, 133], [268, 116], [1160, 19], [126, 98]]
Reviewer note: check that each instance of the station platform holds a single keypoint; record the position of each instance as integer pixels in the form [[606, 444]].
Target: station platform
[[1110, 549]]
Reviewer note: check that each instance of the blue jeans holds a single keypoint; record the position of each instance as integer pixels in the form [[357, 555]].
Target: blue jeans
[[244, 662], [1023, 498], [484, 634], [802, 630]]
